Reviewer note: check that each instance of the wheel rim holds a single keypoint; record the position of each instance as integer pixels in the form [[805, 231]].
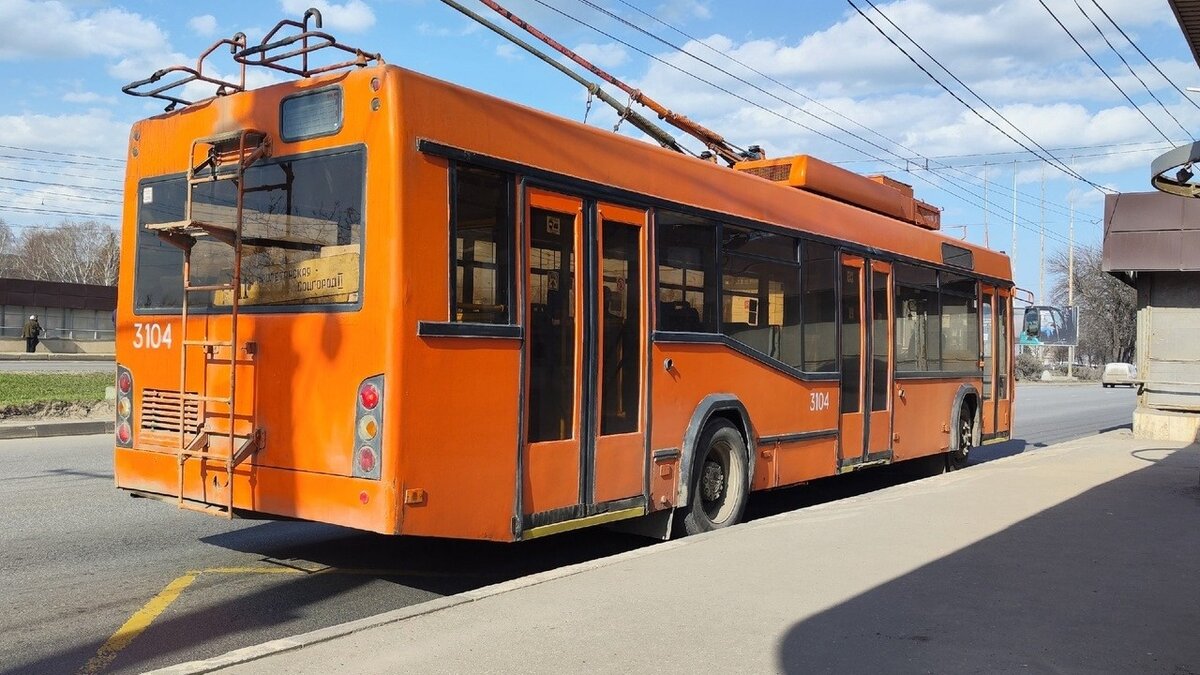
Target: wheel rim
[[965, 436], [717, 476]]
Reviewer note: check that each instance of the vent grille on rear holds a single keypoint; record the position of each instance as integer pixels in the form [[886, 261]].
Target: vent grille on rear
[[160, 411]]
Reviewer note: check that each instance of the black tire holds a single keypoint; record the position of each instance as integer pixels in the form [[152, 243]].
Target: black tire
[[720, 479], [963, 439]]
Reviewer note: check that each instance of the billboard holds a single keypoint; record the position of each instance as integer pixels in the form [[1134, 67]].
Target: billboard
[[1050, 326]]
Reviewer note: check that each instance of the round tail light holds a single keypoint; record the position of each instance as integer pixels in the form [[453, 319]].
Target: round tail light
[[366, 459], [369, 396], [124, 434], [124, 382]]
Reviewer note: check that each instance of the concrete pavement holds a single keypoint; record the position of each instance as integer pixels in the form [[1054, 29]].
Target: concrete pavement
[[1079, 557]]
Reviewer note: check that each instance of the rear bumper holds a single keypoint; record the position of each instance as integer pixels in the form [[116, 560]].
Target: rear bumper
[[340, 500]]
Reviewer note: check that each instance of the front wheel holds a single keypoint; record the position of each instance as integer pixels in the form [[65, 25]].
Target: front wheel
[[720, 479]]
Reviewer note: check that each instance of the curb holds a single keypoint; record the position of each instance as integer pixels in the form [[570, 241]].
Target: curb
[[52, 429], [255, 652], [56, 357]]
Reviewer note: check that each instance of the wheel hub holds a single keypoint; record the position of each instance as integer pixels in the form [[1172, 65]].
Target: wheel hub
[[712, 481]]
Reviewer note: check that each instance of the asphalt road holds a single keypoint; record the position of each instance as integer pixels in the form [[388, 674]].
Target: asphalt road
[[81, 563]]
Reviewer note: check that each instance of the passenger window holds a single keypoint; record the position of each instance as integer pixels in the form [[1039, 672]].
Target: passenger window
[[687, 273], [761, 306], [918, 326], [481, 231], [818, 274]]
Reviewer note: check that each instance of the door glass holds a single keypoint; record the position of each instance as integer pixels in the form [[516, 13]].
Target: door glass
[[986, 317], [879, 340], [851, 328], [551, 325], [1002, 347], [620, 385]]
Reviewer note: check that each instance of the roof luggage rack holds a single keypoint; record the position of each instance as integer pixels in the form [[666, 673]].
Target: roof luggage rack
[[268, 52], [272, 52], [237, 43]]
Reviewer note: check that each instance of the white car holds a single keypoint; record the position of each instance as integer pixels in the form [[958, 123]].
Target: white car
[[1119, 373]]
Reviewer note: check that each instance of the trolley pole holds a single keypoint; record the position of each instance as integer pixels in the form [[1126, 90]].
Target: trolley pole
[[1042, 237], [985, 208], [1071, 278]]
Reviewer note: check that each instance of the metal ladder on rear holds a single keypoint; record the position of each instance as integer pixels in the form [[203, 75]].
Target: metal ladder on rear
[[225, 157]]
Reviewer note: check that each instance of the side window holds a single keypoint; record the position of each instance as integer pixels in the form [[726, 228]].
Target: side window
[[481, 225], [918, 326], [818, 277], [761, 293], [960, 323], [687, 273]]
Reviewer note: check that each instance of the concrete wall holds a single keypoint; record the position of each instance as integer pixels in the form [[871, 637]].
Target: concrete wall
[[60, 346], [1168, 351]]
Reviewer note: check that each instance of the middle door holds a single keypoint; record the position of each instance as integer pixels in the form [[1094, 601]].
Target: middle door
[[585, 357]]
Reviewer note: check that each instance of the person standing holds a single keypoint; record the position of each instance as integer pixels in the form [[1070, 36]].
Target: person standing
[[31, 332]]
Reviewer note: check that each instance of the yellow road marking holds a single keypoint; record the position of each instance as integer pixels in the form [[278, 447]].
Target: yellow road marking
[[142, 618], [137, 623]]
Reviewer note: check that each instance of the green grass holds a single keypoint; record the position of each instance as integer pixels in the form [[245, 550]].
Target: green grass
[[16, 388]]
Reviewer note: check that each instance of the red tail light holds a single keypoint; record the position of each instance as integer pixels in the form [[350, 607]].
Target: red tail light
[[366, 459], [124, 433], [368, 395], [124, 383]]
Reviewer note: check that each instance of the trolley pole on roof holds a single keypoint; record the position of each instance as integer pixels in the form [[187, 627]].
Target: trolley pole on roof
[[711, 139], [641, 123]]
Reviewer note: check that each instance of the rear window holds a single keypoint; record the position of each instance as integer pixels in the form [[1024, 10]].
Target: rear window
[[302, 237]]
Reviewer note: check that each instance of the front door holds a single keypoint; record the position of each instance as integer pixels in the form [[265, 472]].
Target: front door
[[585, 296], [866, 360], [987, 351]]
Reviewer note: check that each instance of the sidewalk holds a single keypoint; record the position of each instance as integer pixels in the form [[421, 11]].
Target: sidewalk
[[1081, 557]]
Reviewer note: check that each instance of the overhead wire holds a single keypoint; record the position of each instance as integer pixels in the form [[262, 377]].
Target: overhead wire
[[1128, 39], [793, 90], [968, 188], [1048, 157], [1026, 224], [1132, 71], [1101, 69]]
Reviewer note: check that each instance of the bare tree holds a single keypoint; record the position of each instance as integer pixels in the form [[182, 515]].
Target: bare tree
[[8, 251], [83, 253], [1107, 306]]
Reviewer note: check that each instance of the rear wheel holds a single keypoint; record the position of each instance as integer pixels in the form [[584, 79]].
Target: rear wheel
[[964, 438], [720, 479]]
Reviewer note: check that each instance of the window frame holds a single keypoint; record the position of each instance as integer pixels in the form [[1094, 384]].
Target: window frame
[[326, 308], [510, 182]]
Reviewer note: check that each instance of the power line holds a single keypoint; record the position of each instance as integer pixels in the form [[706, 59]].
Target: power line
[[55, 172], [66, 185], [1101, 69], [1026, 224], [1148, 60], [793, 90], [1131, 70], [56, 212], [114, 160], [63, 195], [1052, 160]]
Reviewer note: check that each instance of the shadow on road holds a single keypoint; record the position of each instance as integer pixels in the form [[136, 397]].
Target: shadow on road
[[1104, 582]]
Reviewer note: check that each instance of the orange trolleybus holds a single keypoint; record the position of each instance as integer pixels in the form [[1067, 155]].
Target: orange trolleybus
[[370, 298]]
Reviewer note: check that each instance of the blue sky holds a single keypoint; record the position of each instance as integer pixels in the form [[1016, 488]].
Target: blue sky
[[806, 76]]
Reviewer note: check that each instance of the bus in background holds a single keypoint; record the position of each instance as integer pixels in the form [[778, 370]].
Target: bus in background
[[374, 299]]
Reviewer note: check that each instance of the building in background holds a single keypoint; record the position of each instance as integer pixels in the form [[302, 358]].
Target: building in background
[[74, 317]]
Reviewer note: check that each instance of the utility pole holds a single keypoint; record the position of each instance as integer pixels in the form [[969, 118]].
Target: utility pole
[[1012, 255], [1042, 254], [985, 207], [1071, 277]]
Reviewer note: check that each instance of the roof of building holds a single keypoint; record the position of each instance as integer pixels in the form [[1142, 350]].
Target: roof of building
[[29, 293], [1151, 232], [1187, 12]]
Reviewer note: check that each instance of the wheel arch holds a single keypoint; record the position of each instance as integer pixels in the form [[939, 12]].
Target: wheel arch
[[967, 394], [726, 406]]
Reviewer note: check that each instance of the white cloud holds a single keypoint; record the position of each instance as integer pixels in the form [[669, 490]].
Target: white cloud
[[352, 16], [508, 51], [609, 55], [85, 97], [204, 25], [41, 30]]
